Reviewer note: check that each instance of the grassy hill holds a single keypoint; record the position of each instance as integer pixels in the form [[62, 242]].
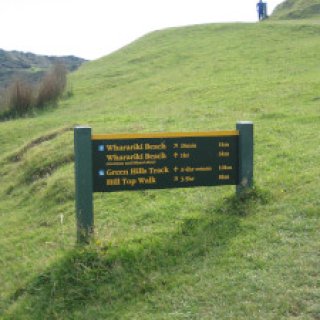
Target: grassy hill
[[297, 9], [194, 253]]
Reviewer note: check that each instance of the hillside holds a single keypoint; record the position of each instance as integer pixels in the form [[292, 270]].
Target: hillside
[[297, 9], [30, 66], [195, 253]]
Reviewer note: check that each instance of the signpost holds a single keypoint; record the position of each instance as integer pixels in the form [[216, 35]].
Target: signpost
[[128, 162]]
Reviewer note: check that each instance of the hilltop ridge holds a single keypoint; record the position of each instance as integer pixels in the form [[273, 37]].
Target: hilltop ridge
[[297, 10]]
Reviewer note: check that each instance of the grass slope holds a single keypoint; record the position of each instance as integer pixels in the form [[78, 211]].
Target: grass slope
[[297, 9], [173, 254]]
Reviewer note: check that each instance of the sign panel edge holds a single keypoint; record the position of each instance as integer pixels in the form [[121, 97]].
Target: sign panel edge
[[164, 135]]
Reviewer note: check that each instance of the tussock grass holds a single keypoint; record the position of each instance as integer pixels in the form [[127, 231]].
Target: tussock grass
[[22, 97]]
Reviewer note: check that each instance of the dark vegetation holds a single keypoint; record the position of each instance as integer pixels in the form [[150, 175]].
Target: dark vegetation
[[22, 96], [29, 81]]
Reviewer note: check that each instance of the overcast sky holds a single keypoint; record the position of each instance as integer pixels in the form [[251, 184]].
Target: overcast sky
[[93, 28]]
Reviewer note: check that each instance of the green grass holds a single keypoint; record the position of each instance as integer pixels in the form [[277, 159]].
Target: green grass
[[173, 254], [297, 9]]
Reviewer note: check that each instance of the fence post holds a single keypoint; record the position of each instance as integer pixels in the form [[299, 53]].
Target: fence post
[[245, 129], [83, 184]]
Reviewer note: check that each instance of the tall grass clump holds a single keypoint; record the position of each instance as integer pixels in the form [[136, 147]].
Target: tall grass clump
[[21, 97], [3, 101], [52, 86]]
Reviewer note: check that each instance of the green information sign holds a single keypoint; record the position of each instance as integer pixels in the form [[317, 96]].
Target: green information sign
[[128, 162], [166, 160]]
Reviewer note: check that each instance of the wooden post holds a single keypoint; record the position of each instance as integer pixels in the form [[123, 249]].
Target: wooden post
[[245, 129], [83, 184]]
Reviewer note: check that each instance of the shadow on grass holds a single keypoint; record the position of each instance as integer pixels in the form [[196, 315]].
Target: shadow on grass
[[116, 276], [8, 114], [244, 204]]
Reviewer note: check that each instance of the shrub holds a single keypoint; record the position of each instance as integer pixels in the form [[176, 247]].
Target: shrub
[[3, 102], [20, 97], [52, 85]]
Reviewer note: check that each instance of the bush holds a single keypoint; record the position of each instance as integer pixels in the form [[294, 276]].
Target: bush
[[3, 102], [52, 85], [20, 97]]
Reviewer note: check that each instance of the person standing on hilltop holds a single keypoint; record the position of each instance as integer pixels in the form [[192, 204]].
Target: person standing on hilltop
[[262, 10]]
